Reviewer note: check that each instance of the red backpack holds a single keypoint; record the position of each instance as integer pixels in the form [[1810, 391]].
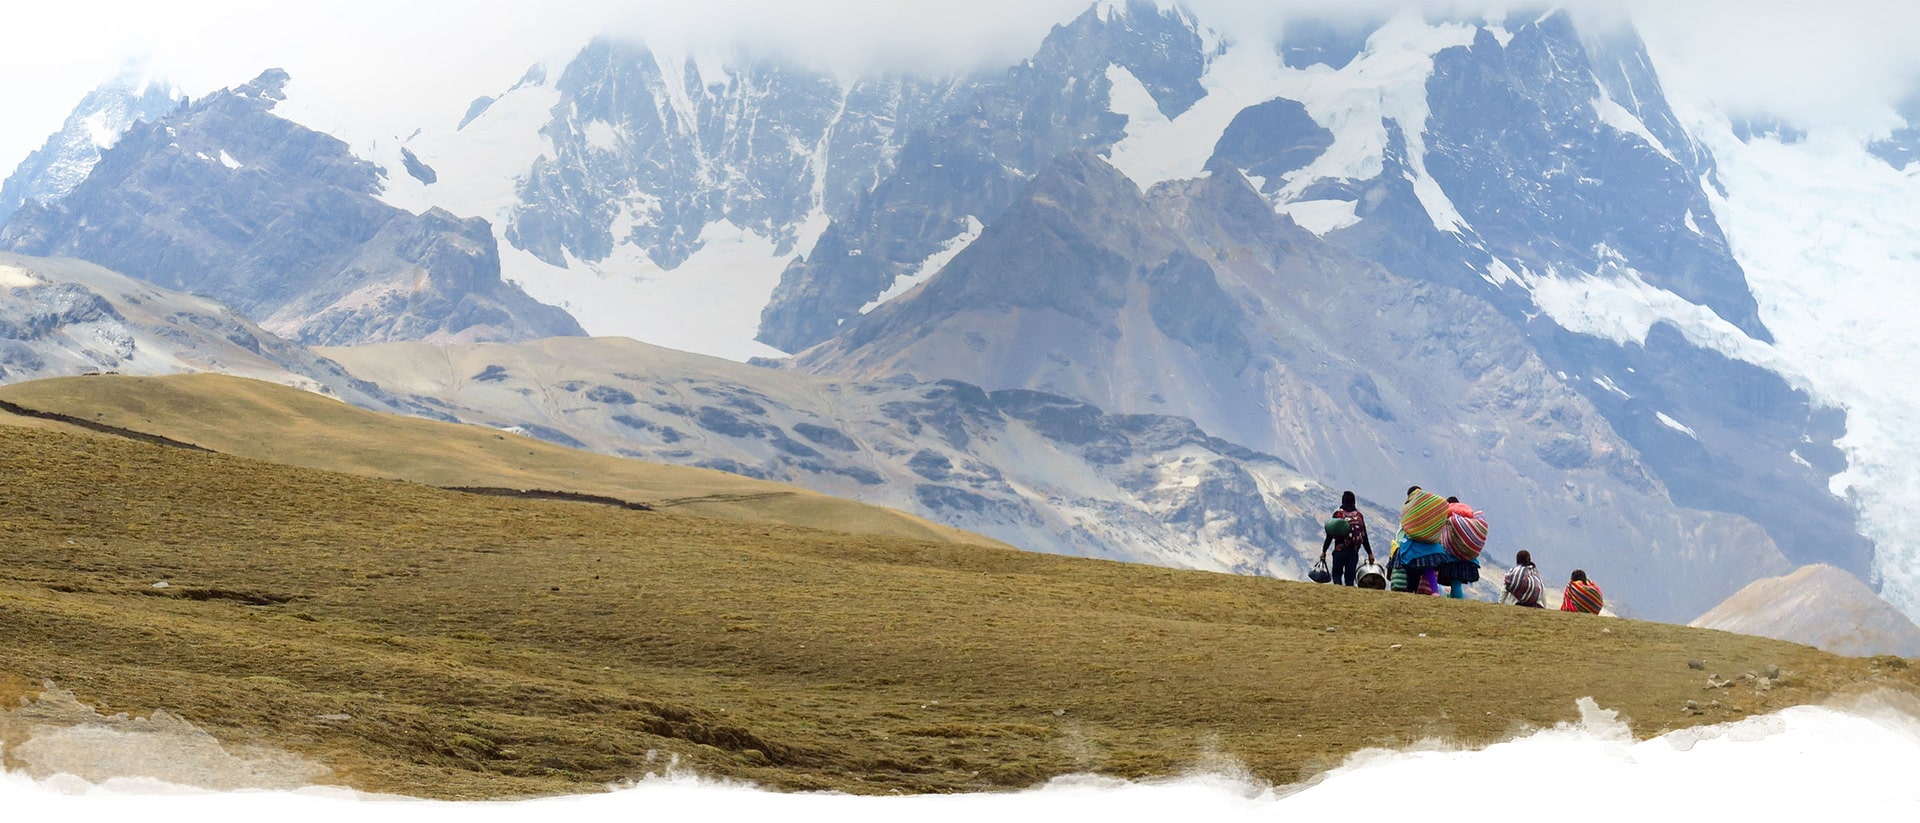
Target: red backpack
[[1356, 531]]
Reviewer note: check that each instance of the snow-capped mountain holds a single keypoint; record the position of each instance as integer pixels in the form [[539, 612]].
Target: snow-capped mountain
[[660, 197], [94, 126], [225, 199], [1036, 470], [1524, 162], [1544, 171], [963, 173]]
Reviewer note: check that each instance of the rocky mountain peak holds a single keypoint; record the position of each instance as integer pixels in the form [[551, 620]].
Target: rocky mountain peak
[[270, 86], [223, 197], [1164, 48], [982, 152], [96, 124]]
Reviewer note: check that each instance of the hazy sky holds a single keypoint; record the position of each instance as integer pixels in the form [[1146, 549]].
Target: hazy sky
[[422, 60]]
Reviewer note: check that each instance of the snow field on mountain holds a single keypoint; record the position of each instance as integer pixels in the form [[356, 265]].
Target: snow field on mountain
[[708, 305], [1830, 239], [1387, 80], [1801, 763], [480, 166], [928, 268], [1618, 304]]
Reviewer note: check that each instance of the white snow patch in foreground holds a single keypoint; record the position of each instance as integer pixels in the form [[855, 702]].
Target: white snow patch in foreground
[[928, 268], [1801, 763], [1830, 239]]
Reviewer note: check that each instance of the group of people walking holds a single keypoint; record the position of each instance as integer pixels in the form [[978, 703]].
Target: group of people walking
[[1436, 551]]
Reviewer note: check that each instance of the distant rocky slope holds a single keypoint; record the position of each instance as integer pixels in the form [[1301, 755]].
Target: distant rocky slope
[[1035, 470], [64, 317], [1821, 606], [224, 198]]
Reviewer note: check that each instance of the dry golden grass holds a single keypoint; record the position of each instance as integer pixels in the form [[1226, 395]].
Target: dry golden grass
[[268, 421], [490, 647]]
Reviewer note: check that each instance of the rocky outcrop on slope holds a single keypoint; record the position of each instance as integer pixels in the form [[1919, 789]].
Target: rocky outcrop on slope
[[1821, 606], [65, 317], [1036, 470], [226, 199], [1196, 300]]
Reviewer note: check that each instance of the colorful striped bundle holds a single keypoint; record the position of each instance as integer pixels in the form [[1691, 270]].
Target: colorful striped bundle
[[1581, 596], [1424, 516], [1523, 583], [1466, 536]]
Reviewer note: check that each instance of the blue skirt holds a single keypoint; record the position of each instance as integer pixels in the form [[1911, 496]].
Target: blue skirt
[[1417, 556]]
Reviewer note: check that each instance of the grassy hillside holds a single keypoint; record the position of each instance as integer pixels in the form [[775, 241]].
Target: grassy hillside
[[268, 421], [486, 646]]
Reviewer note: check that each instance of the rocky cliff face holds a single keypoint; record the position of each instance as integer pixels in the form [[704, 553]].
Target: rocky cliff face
[[1552, 180], [66, 317], [1036, 470], [660, 196], [648, 151], [1196, 299], [225, 199], [974, 161]]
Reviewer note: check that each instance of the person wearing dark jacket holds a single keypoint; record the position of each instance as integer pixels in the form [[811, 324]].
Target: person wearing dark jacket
[[1346, 550]]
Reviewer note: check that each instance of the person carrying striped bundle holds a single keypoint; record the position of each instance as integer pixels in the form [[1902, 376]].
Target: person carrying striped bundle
[[1582, 595], [1522, 582]]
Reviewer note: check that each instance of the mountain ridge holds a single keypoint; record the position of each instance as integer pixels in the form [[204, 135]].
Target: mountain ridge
[[280, 221]]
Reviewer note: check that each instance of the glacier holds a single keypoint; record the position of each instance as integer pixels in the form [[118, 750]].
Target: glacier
[[1830, 237]]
